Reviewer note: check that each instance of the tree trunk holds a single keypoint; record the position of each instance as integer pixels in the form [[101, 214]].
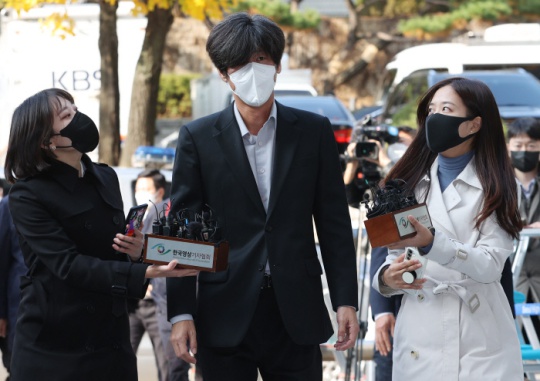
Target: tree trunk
[[367, 56], [143, 111], [109, 96], [295, 4]]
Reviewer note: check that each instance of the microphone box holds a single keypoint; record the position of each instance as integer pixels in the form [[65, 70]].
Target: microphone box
[[394, 226], [190, 254]]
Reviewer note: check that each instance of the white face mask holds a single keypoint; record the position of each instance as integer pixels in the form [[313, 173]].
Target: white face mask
[[143, 197], [254, 83]]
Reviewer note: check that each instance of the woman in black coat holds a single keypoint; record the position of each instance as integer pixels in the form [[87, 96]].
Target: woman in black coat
[[68, 211]]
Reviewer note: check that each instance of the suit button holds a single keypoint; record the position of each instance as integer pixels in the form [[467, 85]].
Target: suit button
[[116, 220], [268, 229], [90, 308], [88, 225], [116, 346], [261, 267]]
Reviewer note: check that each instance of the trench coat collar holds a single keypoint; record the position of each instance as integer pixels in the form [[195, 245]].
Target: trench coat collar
[[68, 177], [440, 205], [65, 174]]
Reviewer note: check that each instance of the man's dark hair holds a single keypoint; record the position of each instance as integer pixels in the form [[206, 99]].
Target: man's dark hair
[[156, 176], [524, 126], [239, 36]]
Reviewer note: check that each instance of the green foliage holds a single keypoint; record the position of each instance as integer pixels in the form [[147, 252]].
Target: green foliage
[[484, 10], [429, 24], [479, 9], [174, 97], [280, 12], [400, 8], [528, 6], [405, 116]]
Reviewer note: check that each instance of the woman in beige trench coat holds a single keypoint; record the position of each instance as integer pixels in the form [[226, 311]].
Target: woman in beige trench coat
[[455, 322]]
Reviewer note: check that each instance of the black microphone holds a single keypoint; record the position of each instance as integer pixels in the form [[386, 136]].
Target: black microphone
[[194, 230]]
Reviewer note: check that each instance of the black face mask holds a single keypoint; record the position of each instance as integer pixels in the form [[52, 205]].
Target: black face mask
[[442, 132], [83, 133], [525, 161]]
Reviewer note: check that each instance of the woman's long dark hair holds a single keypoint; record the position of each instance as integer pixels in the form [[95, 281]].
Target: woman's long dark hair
[[31, 129], [491, 160]]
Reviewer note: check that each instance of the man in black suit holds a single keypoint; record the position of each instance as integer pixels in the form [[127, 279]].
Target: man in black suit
[[267, 171]]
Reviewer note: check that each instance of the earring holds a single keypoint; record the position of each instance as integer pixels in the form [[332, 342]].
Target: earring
[[53, 147]]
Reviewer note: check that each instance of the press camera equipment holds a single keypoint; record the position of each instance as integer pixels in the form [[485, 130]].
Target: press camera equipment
[[366, 152], [367, 149], [371, 130]]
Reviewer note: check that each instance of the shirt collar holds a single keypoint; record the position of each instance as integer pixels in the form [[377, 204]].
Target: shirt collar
[[243, 128]]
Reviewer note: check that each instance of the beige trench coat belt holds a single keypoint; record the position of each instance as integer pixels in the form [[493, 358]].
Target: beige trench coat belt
[[459, 288]]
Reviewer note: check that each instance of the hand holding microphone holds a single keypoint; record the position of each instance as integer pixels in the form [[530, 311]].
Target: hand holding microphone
[[405, 273]]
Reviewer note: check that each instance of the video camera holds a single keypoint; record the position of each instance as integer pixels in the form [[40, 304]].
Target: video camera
[[369, 173]]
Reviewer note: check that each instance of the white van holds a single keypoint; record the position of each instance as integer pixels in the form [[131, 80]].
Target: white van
[[502, 47]]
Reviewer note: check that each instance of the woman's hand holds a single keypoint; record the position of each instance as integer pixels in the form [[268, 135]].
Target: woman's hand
[[423, 237], [130, 245], [169, 270], [393, 275]]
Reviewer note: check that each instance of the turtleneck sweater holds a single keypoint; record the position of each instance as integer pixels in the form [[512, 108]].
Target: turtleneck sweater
[[451, 167]]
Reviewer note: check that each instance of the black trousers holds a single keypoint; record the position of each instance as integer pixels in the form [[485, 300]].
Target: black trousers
[[267, 348]]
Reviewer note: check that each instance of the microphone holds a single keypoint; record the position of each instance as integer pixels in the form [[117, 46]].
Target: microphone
[[157, 227], [194, 230]]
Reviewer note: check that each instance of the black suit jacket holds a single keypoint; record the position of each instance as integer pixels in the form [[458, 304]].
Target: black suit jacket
[[73, 322], [211, 167]]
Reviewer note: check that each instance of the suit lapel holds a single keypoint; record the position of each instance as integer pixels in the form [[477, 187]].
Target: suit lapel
[[227, 134], [287, 136]]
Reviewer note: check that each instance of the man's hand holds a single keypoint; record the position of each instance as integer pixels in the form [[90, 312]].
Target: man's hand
[[184, 339], [384, 329], [347, 328], [3, 327]]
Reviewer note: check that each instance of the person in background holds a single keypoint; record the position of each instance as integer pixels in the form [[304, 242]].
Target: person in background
[[455, 322], [267, 171], [384, 309], [357, 182], [12, 268], [523, 136], [151, 313], [149, 189], [72, 321]]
